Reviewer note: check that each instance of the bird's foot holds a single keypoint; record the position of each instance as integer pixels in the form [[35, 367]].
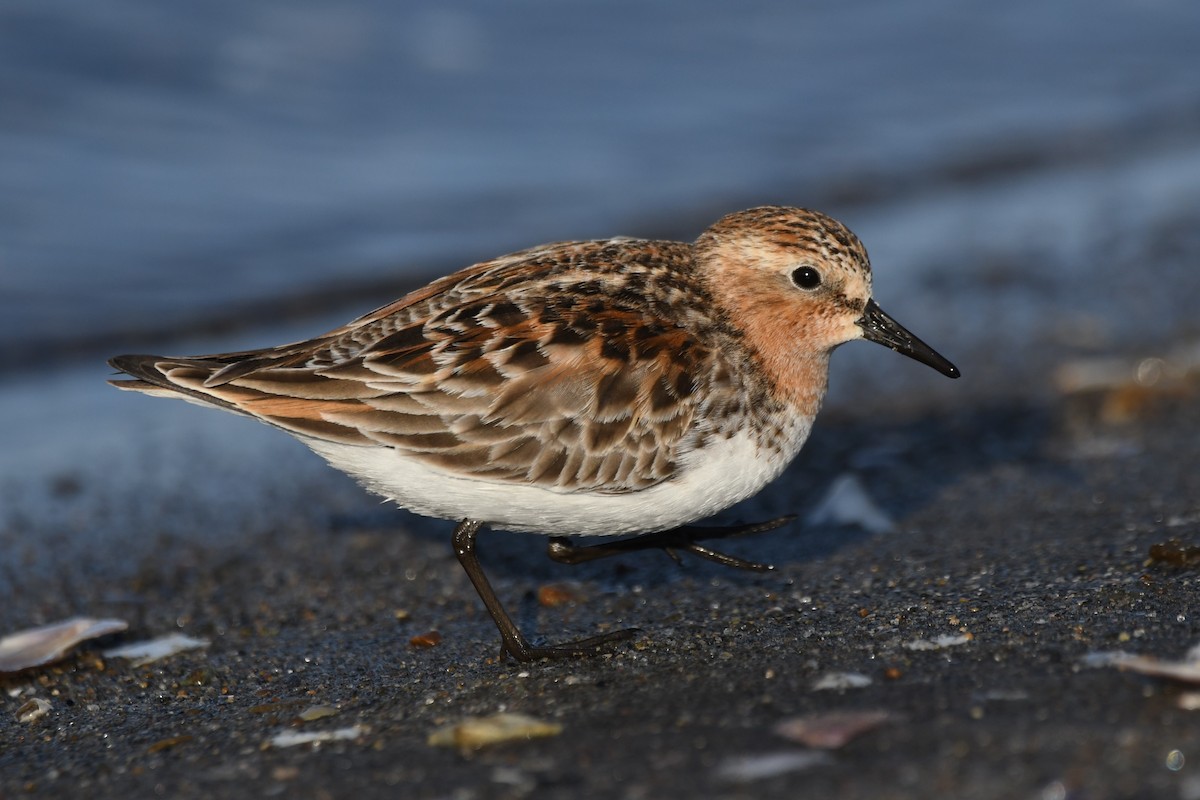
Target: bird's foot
[[521, 650], [685, 538]]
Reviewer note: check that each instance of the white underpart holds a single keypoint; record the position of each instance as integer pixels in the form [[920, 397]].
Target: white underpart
[[710, 480]]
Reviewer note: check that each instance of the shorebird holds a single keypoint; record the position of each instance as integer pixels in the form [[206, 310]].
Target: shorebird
[[596, 388]]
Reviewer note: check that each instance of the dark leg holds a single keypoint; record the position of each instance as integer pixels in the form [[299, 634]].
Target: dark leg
[[683, 538], [511, 641]]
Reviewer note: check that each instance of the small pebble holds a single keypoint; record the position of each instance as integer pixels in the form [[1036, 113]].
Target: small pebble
[[425, 640], [33, 709]]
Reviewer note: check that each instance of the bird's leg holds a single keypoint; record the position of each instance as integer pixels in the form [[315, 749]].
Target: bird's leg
[[512, 642], [683, 538]]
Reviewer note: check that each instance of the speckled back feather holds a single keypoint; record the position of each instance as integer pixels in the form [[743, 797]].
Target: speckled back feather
[[554, 366]]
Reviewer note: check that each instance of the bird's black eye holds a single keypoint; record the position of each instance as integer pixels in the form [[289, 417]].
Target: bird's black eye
[[806, 277]]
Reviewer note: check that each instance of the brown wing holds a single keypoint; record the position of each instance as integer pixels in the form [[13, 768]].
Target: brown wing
[[506, 371]]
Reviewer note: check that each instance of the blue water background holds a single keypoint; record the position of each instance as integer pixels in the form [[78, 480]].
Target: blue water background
[[163, 165]]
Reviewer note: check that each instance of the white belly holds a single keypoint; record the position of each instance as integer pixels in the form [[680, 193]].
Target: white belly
[[709, 480]]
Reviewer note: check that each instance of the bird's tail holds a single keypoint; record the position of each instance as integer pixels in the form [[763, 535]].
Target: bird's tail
[[163, 376]]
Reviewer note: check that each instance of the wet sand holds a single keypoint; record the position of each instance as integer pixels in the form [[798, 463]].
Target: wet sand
[[1022, 536]]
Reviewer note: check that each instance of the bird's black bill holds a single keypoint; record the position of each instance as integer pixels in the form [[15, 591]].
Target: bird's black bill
[[880, 328]]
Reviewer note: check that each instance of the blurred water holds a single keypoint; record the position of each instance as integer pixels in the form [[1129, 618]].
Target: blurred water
[[161, 164]]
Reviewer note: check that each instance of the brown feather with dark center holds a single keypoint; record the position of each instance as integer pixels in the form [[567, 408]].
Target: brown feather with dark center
[[555, 366]]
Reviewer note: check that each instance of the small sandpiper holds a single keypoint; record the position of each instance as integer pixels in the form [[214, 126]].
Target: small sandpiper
[[598, 388]]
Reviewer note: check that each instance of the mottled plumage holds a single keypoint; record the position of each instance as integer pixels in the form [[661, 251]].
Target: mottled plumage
[[601, 387]]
